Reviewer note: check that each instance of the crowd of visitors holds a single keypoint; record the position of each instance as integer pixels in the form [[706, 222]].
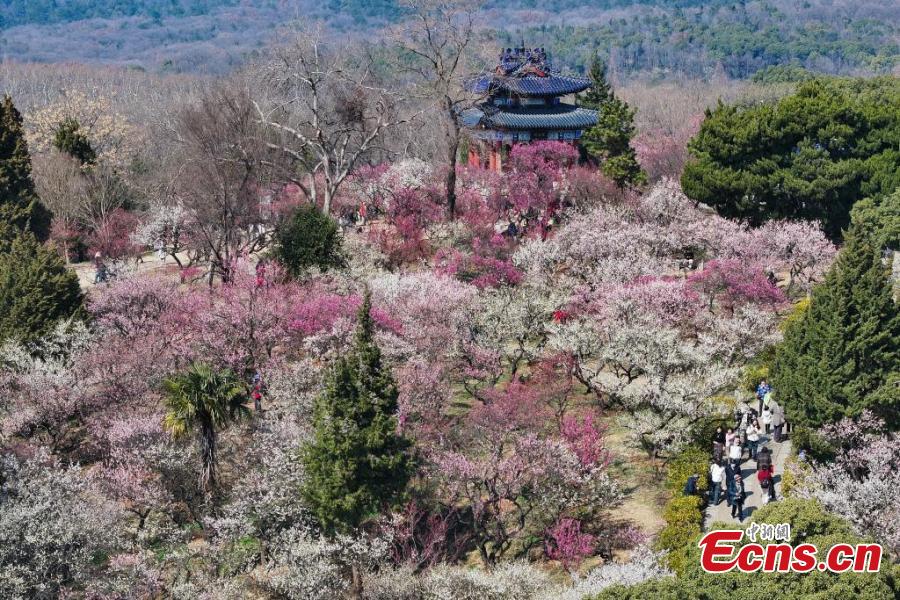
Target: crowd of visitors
[[730, 445]]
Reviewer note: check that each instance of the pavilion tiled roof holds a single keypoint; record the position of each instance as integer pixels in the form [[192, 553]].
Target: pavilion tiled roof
[[527, 72], [530, 84], [556, 117]]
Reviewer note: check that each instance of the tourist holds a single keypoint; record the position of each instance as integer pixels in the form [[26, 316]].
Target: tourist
[[260, 274], [761, 390], [753, 437], [718, 452], [729, 481], [763, 458], [716, 471], [690, 488], [99, 269], [729, 437], [718, 444], [777, 421], [719, 436], [766, 418], [738, 501], [766, 478], [736, 452], [160, 247]]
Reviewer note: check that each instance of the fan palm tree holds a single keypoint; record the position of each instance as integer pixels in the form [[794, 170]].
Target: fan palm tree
[[204, 400]]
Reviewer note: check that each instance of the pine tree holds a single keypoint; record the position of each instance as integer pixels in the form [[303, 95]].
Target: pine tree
[[36, 289], [357, 464], [72, 141], [843, 355], [609, 141], [19, 205], [600, 93]]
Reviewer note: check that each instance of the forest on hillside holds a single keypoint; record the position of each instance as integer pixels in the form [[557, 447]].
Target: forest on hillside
[[640, 38]]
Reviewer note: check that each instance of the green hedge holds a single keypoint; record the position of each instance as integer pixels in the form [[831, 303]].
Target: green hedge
[[683, 514], [693, 459], [684, 522]]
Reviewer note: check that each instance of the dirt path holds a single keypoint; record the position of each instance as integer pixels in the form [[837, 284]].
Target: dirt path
[[149, 263], [722, 512]]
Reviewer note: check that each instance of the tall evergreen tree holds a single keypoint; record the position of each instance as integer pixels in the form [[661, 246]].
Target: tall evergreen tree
[[19, 205], [600, 92], [609, 141], [70, 139], [36, 289], [357, 464], [843, 355]]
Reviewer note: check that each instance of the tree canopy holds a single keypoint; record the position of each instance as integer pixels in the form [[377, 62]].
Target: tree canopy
[[810, 155], [308, 238], [36, 289]]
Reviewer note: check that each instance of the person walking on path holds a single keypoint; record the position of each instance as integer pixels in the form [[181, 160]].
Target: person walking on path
[[766, 418], [761, 390], [729, 437], [729, 482], [718, 444], [753, 438], [736, 453], [763, 458], [716, 471], [100, 274], [766, 479], [777, 421], [160, 246], [740, 495]]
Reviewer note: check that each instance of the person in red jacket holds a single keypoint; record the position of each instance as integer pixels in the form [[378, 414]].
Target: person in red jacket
[[766, 476]]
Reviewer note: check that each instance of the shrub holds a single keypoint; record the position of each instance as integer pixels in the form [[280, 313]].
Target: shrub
[[684, 519], [36, 289], [306, 239], [804, 438], [694, 459], [684, 510]]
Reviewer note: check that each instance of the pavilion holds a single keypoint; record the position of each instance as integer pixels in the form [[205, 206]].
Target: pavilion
[[524, 99]]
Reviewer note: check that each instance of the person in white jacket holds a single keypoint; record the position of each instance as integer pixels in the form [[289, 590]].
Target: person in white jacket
[[716, 474], [736, 452], [753, 431]]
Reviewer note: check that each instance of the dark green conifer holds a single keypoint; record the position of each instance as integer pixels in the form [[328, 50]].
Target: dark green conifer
[[19, 205], [357, 465], [70, 139], [843, 355], [609, 141], [36, 289]]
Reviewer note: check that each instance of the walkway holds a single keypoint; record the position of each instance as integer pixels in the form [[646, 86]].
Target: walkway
[[150, 263], [722, 512]]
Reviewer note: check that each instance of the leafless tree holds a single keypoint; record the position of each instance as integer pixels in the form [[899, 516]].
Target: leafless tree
[[62, 187], [437, 45], [80, 197], [222, 179], [329, 109]]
